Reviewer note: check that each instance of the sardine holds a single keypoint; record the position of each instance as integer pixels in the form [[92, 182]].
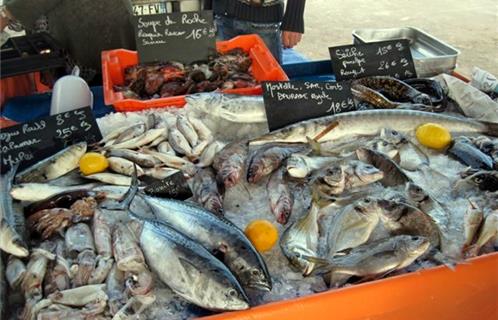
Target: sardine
[[300, 165], [202, 130], [187, 130], [233, 108], [205, 190], [268, 158], [369, 123], [140, 141], [301, 239], [190, 270], [376, 258], [489, 231], [143, 160], [173, 161], [173, 186], [229, 163], [41, 191], [352, 226], [217, 235], [124, 166], [12, 228], [54, 166], [131, 132], [393, 175], [208, 154], [280, 196], [179, 143], [110, 178], [165, 147]]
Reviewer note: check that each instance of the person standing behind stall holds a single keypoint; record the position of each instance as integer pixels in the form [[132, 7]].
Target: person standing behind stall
[[267, 18], [84, 28]]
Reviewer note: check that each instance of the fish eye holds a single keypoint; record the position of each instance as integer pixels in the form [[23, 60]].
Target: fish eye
[[394, 133], [255, 272], [384, 143], [367, 200], [477, 180], [369, 166], [232, 292]]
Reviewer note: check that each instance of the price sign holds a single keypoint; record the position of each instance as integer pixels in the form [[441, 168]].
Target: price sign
[[179, 36], [386, 58], [32, 141], [289, 102]]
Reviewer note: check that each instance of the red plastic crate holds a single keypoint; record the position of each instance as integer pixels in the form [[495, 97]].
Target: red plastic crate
[[114, 62]]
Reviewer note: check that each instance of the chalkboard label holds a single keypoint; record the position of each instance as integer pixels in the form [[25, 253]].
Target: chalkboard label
[[32, 141], [289, 102], [386, 58], [179, 36]]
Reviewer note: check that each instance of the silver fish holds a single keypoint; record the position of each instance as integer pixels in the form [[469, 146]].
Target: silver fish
[[205, 190], [165, 147], [217, 235], [41, 191], [160, 172], [233, 108], [300, 165], [11, 221], [190, 270], [370, 122], [124, 166], [143, 160], [110, 178], [179, 143], [229, 163], [208, 154], [199, 148], [187, 130], [489, 231], [202, 130], [131, 132], [393, 175], [301, 239], [54, 166], [173, 161], [140, 140], [158, 140], [280, 196]]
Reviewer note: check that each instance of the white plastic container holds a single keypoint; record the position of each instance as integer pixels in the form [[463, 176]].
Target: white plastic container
[[70, 93]]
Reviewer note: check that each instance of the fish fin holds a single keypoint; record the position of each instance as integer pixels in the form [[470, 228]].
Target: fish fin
[[397, 158], [125, 202], [315, 145]]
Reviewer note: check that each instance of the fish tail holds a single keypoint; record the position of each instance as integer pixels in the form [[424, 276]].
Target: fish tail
[[320, 265], [126, 200]]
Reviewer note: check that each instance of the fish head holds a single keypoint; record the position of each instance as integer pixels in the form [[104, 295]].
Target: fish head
[[251, 268], [334, 175], [391, 209], [415, 246], [229, 176], [230, 298], [486, 180], [367, 172], [415, 192], [384, 147], [297, 167], [423, 98], [368, 206], [392, 136], [254, 172]]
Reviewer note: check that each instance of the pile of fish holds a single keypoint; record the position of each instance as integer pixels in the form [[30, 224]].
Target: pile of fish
[[229, 70], [354, 196]]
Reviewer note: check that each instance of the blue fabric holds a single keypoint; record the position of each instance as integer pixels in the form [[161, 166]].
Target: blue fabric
[[27, 108], [228, 28]]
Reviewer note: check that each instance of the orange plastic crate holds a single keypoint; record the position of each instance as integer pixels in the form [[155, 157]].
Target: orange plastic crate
[[264, 68]]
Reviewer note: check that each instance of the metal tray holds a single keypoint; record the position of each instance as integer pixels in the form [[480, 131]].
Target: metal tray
[[431, 55]]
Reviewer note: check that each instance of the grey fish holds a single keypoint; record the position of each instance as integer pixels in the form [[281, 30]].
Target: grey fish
[[465, 152], [229, 163], [143, 160], [179, 143], [488, 231], [41, 191], [207, 156], [131, 132], [206, 193], [217, 235], [300, 165], [165, 147], [301, 239], [268, 158], [233, 108], [54, 166], [124, 166], [373, 259], [393, 175], [11, 221], [190, 270], [139, 141], [369, 123], [280, 196], [188, 131]]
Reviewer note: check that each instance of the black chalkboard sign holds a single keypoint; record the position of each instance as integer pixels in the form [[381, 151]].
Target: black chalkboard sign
[[179, 36], [32, 141], [386, 58], [289, 102]]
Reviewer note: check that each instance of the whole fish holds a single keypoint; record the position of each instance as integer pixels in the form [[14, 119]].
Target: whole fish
[[268, 158], [110, 178], [301, 239], [352, 226], [12, 224], [489, 231], [202, 130], [160, 172], [165, 147], [190, 270], [41, 191], [401, 218], [131, 132], [143, 160], [179, 143], [465, 152], [217, 235], [393, 175], [173, 161], [208, 154], [187, 130], [206, 193], [233, 108], [199, 148], [174, 186], [300, 165], [229, 163], [140, 140], [124, 166], [54, 166], [370, 122], [280, 196], [376, 258]]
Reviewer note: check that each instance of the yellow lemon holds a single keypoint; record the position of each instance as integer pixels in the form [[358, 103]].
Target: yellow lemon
[[433, 135], [263, 234], [93, 162]]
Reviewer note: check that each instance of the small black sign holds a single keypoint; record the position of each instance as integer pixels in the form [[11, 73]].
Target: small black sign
[[386, 58], [289, 102], [32, 141], [179, 36]]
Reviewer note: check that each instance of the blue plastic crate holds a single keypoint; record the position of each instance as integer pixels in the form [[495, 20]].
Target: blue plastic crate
[[310, 71]]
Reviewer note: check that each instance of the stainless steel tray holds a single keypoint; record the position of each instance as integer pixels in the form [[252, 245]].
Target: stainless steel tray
[[430, 55]]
